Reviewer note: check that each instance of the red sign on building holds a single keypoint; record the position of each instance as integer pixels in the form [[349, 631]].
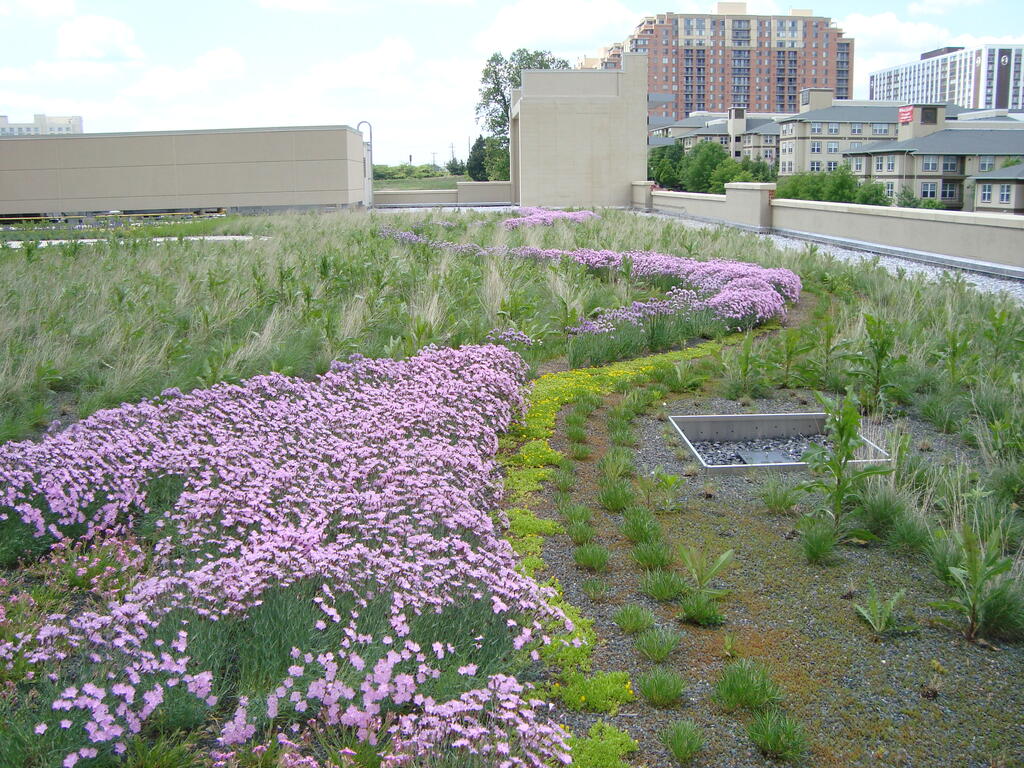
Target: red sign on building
[[906, 115]]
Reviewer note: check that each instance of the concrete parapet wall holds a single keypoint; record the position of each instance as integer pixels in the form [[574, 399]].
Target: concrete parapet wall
[[944, 237], [465, 193], [484, 192], [415, 197], [991, 237], [174, 170]]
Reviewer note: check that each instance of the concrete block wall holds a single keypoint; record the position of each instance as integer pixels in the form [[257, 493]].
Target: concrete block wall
[[169, 170], [994, 238]]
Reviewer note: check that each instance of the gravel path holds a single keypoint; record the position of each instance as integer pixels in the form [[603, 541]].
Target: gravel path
[[861, 701]]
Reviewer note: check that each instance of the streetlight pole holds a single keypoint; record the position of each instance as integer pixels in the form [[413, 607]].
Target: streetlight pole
[[367, 165]]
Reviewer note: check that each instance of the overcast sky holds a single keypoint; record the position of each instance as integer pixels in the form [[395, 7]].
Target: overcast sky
[[410, 67]]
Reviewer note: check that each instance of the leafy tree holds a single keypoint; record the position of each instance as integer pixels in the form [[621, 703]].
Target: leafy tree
[[872, 193], [906, 198], [1011, 161], [500, 76], [702, 161], [496, 159], [725, 172], [841, 185], [455, 167], [475, 162], [931, 202]]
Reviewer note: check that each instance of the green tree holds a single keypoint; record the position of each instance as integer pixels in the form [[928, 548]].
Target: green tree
[[906, 198], [455, 167], [475, 162], [499, 77], [701, 163], [725, 172], [840, 185], [496, 159], [872, 193], [1011, 161]]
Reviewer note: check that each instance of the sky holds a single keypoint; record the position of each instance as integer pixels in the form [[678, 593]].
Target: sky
[[411, 68]]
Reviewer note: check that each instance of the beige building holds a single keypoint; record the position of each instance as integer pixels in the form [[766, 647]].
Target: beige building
[[934, 156], [816, 138], [579, 137], [743, 134], [41, 125], [244, 169], [1000, 191]]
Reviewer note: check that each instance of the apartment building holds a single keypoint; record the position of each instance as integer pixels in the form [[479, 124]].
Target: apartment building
[[999, 191], [939, 156], [816, 138], [743, 134], [42, 125], [985, 77], [712, 62]]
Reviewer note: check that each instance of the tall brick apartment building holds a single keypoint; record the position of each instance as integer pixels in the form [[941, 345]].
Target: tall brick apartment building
[[731, 58]]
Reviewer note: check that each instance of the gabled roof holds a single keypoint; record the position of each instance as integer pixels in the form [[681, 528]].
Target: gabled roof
[[763, 127], [715, 129], [952, 141], [1013, 173], [863, 113]]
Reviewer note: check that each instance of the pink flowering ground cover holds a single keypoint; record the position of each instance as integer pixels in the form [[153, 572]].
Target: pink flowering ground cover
[[533, 217], [706, 297], [319, 572]]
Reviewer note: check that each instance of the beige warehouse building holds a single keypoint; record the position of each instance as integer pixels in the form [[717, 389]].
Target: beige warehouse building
[[240, 169]]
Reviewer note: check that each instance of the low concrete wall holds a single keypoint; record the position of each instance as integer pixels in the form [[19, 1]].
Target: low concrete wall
[[182, 170], [992, 237], [415, 197], [991, 241], [471, 192], [465, 193]]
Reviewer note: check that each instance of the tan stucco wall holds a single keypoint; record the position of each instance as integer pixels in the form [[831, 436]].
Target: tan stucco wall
[[255, 167], [465, 193], [580, 136], [743, 203], [991, 237]]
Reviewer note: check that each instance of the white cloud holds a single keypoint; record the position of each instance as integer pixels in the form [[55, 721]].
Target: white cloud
[[96, 37], [37, 8], [938, 7], [568, 28], [301, 6], [208, 68], [884, 40]]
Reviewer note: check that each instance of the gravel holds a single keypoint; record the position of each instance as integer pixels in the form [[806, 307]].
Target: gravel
[[731, 452], [861, 700]]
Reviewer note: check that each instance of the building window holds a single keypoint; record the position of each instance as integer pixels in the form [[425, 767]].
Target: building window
[[858, 164], [831, 165], [815, 147], [890, 163], [951, 163], [832, 147], [856, 128], [1004, 193], [815, 127], [879, 129], [854, 144], [986, 193], [986, 163], [950, 191], [833, 128], [930, 163], [928, 189], [879, 163], [815, 166], [890, 188]]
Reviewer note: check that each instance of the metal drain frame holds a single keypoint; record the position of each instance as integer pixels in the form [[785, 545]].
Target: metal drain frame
[[748, 426]]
